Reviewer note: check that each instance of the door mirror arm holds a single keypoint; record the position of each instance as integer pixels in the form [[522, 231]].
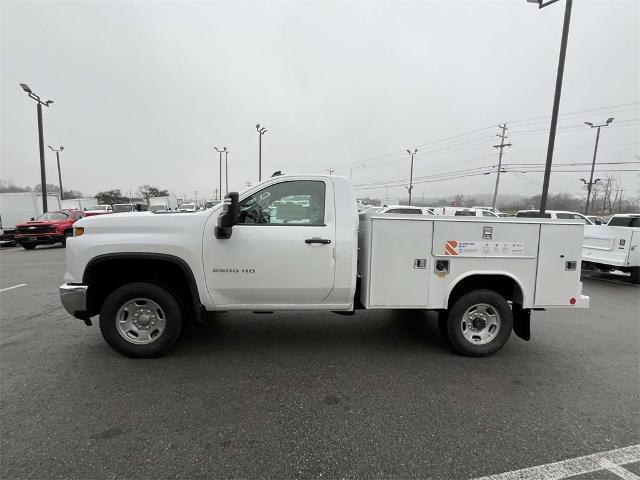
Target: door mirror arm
[[229, 216]]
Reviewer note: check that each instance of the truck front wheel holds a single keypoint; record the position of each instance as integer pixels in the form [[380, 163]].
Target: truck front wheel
[[141, 320], [479, 323]]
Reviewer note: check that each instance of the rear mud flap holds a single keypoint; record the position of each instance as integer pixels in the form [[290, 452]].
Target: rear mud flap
[[521, 321]]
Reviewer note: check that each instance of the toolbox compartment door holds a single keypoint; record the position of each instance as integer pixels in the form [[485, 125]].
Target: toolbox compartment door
[[559, 264], [400, 263]]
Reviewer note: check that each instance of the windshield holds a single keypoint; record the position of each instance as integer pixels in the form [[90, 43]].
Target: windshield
[[624, 222], [99, 207], [122, 208], [53, 216], [188, 205], [155, 208], [532, 214]]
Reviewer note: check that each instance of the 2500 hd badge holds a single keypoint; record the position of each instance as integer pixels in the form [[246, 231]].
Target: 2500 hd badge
[[233, 270]]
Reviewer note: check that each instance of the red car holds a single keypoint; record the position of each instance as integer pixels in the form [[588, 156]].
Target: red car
[[47, 229]]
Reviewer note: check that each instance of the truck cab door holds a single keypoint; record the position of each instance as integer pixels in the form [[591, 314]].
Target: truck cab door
[[280, 253]]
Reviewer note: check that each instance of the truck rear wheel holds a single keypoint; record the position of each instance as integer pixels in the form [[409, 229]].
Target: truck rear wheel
[[479, 323], [28, 245], [141, 320], [635, 275]]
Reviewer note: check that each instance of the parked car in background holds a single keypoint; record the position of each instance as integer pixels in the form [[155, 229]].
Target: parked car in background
[[47, 229], [159, 208], [403, 209], [615, 246], [98, 210], [464, 212], [188, 207], [555, 214], [490, 209], [130, 207]]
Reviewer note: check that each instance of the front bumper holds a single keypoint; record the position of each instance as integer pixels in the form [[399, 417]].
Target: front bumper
[[74, 300], [39, 238]]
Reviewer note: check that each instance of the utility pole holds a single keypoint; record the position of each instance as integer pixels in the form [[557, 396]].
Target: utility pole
[[59, 174], [216, 197], [352, 169], [593, 163], [43, 173], [220, 151], [415, 150], [195, 192], [500, 147], [226, 172], [261, 131], [556, 97], [386, 191]]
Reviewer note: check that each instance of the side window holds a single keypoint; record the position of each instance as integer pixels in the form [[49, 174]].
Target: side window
[[413, 211], [564, 216], [575, 216], [487, 214], [394, 210], [299, 202]]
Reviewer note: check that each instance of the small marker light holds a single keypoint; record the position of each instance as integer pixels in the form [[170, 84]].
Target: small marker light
[[78, 231], [572, 301]]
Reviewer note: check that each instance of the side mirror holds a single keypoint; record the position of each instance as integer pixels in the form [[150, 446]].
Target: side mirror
[[229, 216], [85, 209], [32, 219]]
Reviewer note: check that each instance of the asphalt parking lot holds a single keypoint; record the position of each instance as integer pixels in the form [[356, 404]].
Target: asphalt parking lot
[[308, 395]]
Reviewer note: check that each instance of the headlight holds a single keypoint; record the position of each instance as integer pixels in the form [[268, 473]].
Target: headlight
[[78, 231]]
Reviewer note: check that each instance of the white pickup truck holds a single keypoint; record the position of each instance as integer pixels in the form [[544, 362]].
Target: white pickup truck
[[297, 242], [615, 246]]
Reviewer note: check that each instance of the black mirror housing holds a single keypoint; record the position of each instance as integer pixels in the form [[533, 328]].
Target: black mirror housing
[[229, 216]]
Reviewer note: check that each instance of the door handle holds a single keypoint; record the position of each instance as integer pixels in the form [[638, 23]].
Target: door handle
[[324, 241]]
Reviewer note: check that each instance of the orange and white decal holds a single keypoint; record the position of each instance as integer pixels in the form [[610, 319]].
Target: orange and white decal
[[451, 247]]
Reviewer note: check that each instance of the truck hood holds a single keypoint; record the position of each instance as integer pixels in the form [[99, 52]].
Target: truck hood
[[143, 222], [40, 223]]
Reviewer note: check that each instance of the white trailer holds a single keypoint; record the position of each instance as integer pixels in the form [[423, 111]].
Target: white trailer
[[614, 246], [18, 207], [78, 203], [169, 202]]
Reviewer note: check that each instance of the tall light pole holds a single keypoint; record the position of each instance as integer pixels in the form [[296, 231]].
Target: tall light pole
[[43, 173], [556, 98], [261, 131], [352, 169], [226, 172], [58, 150], [411, 174], [593, 163], [220, 151]]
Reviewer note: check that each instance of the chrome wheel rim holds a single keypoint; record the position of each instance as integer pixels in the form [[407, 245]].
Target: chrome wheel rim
[[480, 324], [140, 321]]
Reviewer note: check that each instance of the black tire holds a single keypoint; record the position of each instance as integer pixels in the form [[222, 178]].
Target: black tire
[[635, 275], [442, 326], [455, 322], [163, 298], [64, 238], [28, 246]]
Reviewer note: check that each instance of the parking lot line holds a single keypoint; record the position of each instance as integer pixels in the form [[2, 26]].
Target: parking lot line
[[619, 471], [610, 460], [15, 286]]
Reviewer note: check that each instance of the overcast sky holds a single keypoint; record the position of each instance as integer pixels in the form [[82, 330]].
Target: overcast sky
[[143, 91]]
